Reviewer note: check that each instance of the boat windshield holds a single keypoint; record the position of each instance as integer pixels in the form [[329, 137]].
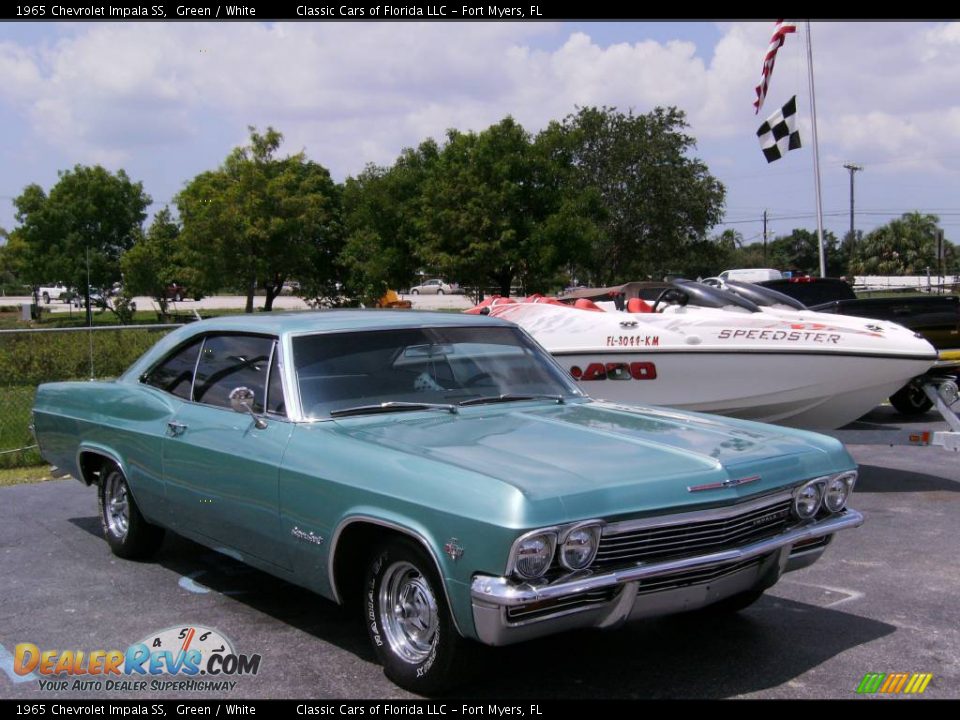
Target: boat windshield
[[713, 297], [340, 373], [765, 297]]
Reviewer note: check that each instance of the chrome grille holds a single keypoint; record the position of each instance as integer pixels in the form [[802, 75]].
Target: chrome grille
[[671, 539], [553, 607]]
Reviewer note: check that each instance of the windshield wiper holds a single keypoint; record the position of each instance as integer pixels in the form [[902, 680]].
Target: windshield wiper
[[510, 397], [386, 407]]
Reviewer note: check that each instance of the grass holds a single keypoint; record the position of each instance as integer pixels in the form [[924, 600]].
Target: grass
[[23, 475], [14, 427]]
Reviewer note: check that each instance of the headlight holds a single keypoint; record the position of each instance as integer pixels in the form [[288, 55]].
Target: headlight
[[807, 501], [837, 491], [579, 547], [533, 554]]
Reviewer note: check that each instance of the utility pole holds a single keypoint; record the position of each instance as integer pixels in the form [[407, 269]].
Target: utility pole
[[853, 169], [764, 238]]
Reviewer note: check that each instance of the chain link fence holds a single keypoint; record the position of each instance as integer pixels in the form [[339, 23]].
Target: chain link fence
[[31, 357]]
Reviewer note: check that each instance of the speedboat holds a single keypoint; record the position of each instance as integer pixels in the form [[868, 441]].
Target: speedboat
[[702, 348]]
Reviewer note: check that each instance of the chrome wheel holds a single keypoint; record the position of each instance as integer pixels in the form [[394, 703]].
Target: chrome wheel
[[116, 506], [409, 613]]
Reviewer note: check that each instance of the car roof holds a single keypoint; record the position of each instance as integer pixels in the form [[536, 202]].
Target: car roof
[[330, 320], [318, 321]]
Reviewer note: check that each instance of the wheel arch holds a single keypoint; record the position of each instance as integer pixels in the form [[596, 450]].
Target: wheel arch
[[90, 459], [363, 532]]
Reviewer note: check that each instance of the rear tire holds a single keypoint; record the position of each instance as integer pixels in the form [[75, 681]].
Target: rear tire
[[911, 400], [46, 298], [124, 528], [409, 623]]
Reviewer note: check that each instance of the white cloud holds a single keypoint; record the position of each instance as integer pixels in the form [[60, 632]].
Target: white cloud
[[355, 93]]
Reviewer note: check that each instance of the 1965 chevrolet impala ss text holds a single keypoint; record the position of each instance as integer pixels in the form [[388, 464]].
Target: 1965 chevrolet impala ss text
[[442, 473]]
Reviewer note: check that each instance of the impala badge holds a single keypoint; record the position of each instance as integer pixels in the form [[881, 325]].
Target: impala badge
[[310, 537]]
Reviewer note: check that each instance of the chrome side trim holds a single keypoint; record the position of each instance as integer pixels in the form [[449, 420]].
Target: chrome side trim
[[348, 521], [724, 513], [504, 592]]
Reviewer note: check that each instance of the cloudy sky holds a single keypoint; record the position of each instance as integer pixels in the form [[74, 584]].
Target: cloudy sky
[[166, 101]]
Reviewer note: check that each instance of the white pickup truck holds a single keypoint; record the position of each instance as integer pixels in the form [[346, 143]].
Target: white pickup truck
[[57, 291]]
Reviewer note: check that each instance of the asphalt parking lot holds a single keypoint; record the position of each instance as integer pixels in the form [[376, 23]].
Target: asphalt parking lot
[[883, 599]]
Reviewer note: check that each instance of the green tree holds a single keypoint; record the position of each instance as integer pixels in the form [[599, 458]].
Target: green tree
[[80, 230], [383, 218], [657, 200], [259, 220], [904, 246], [493, 211], [798, 251], [156, 260]]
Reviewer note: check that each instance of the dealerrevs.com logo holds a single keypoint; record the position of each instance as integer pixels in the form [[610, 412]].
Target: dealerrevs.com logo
[[179, 658]]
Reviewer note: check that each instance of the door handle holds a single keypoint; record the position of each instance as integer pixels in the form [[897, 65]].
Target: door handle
[[175, 429]]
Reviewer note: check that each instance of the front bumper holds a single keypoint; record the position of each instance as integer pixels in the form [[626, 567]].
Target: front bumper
[[506, 611]]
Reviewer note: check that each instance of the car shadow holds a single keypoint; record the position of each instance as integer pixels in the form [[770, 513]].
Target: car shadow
[[203, 570], [692, 656], [873, 478], [683, 656]]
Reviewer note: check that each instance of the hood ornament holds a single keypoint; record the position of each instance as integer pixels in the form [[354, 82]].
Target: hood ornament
[[732, 482]]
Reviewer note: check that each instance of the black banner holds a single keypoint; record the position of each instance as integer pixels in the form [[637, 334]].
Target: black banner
[[272, 11]]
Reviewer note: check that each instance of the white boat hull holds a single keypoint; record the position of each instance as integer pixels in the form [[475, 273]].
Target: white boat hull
[[806, 370], [804, 391]]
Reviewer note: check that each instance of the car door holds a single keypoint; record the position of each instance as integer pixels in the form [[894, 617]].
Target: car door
[[220, 469]]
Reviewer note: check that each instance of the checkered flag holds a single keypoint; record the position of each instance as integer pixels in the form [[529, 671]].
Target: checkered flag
[[779, 133]]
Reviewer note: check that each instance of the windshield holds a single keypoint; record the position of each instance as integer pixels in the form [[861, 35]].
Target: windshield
[[337, 371]]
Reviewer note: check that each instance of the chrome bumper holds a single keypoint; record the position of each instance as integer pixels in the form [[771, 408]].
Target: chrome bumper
[[493, 596]]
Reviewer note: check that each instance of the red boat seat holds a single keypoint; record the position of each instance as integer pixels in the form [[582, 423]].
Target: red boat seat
[[585, 304], [638, 305]]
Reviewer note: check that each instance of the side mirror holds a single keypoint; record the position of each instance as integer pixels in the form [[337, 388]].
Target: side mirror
[[241, 400]]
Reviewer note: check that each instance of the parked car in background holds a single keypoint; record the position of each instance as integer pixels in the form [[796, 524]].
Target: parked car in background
[[55, 291], [177, 292], [290, 287], [435, 287], [443, 475], [753, 275]]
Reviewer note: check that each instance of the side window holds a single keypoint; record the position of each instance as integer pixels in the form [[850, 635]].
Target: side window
[[275, 403], [175, 374], [232, 361]]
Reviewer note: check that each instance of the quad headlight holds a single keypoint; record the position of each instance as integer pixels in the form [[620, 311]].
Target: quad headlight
[[533, 553], [837, 491], [830, 493], [579, 546], [807, 501]]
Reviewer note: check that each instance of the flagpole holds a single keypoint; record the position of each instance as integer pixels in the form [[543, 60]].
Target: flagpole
[[816, 154]]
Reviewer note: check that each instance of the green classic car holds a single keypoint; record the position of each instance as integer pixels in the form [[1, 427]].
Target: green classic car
[[442, 474]]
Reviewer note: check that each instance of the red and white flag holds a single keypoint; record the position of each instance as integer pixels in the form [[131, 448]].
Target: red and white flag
[[780, 31]]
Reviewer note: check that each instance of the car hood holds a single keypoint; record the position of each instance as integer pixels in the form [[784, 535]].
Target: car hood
[[599, 458]]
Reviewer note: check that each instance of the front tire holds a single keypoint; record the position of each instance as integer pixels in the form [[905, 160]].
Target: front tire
[[414, 292], [124, 528], [409, 622], [911, 400], [46, 298], [440, 291]]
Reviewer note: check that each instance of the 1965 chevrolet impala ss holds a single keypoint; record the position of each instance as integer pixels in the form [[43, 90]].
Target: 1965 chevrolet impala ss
[[445, 475]]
